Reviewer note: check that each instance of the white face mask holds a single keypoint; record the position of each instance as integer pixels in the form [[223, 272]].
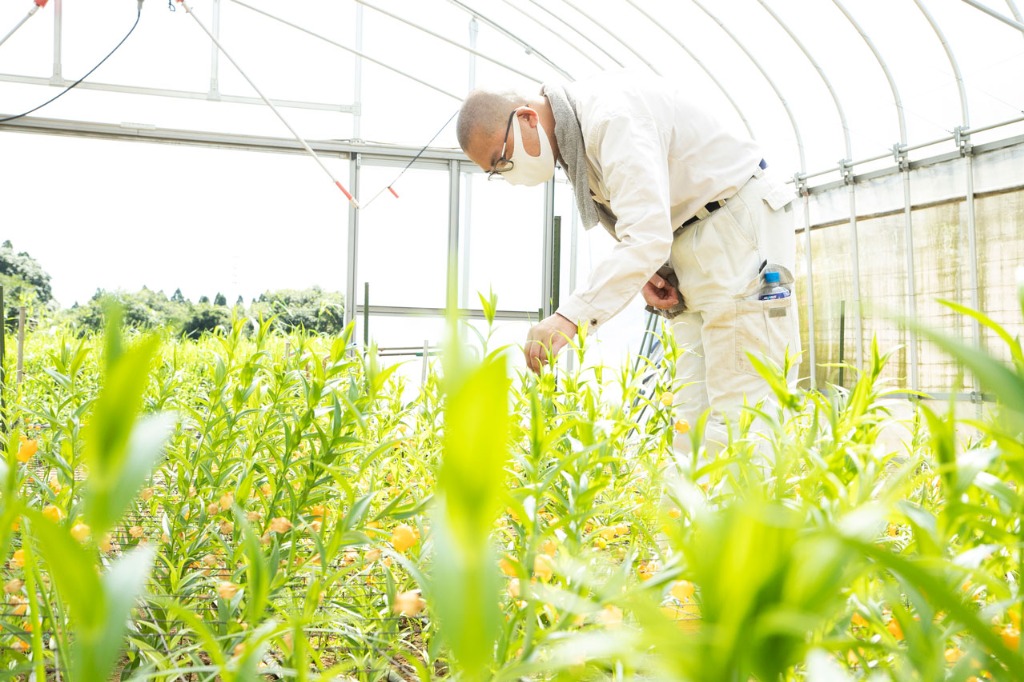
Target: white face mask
[[526, 169]]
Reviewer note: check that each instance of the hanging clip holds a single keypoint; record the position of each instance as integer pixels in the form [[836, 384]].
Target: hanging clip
[[962, 135], [899, 152], [800, 183], [846, 171]]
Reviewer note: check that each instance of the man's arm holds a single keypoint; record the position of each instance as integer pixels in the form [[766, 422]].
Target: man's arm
[[545, 339], [632, 158]]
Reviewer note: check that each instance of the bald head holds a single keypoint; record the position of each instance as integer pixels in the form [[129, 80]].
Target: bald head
[[485, 113]]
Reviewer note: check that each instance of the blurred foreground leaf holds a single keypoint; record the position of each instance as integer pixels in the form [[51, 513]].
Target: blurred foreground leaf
[[464, 582]]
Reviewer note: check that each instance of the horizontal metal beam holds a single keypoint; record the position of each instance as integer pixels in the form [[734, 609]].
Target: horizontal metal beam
[[922, 145], [919, 163], [179, 94], [944, 396], [405, 311], [140, 132]]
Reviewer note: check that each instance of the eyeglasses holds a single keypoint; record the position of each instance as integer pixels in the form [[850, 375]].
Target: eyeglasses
[[503, 165]]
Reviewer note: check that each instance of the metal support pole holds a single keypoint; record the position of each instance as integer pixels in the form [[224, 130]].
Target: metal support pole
[[963, 139], [451, 299], [366, 314], [842, 338], [911, 289], [357, 80], [548, 246], [426, 361], [467, 236], [355, 161], [58, 27], [215, 54], [556, 260], [467, 201], [812, 358], [574, 248], [846, 169], [20, 376]]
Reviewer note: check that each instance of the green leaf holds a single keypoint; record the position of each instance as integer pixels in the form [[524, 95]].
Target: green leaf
[[933, 583], [463, 594], [122, 586], [997, 329], [72, 568], [464, 585], [107, 497], [111, 424], [476, 428], [257, 571], [992, 374], [98, 606]]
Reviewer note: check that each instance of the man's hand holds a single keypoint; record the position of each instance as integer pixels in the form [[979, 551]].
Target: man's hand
[[545, 339], [659, 293]]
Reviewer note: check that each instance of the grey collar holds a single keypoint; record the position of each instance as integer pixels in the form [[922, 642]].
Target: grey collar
[[574, 156]]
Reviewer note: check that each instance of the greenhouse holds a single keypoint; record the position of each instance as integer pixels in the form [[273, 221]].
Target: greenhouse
[[308, 372]]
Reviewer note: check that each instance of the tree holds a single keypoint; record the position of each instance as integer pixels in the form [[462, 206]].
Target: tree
[[206, 318], [311, 309], [144, 309], [204, 299], [177, 296], [24, 280], [220, 299]]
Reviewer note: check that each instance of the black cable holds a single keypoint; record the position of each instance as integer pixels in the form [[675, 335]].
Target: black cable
[[67, 89]]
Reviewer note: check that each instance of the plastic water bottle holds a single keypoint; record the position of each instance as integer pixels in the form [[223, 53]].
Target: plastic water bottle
[[772, 288]]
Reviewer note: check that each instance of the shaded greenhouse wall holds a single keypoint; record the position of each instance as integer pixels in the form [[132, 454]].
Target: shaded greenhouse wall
[[941, 264]]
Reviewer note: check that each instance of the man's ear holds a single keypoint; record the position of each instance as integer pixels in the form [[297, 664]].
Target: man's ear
[[527, 116]]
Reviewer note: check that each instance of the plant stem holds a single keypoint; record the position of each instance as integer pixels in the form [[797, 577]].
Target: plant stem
[[35, 621]]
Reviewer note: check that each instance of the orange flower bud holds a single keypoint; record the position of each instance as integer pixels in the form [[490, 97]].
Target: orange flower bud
[[80, 532], [543, 566], [226, 589], [53, 513], [280, 525], [409, 603], [403, 537], [26, 449]]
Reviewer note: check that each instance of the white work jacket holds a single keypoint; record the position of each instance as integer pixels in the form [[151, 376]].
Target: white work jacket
[[655, 159]]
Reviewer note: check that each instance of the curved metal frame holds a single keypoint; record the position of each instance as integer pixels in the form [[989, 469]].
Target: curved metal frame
[[806, 198], [696, 60], [964, 144]]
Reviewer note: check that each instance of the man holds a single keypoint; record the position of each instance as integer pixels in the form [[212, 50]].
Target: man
[[682, 196]]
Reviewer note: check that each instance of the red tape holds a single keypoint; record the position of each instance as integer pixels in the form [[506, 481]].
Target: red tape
[[343, 190], [41, 3], [392, 190], [351, 200]]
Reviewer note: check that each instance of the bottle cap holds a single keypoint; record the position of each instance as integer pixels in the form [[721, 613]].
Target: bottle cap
[[772, 277]]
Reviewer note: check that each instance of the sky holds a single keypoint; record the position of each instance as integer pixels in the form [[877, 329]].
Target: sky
[[122, 215]]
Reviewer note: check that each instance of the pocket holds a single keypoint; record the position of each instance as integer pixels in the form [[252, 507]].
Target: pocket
[[779, 194], [779, 198], [765, 329], [723, 244]]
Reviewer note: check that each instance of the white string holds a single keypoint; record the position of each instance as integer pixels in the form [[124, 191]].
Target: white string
[[35, 8], [270, 104]]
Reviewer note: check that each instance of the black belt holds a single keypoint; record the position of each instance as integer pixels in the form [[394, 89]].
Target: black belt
[[715, 205]]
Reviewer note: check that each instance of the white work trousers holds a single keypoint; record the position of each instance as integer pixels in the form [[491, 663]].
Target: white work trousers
[[718, 262]]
